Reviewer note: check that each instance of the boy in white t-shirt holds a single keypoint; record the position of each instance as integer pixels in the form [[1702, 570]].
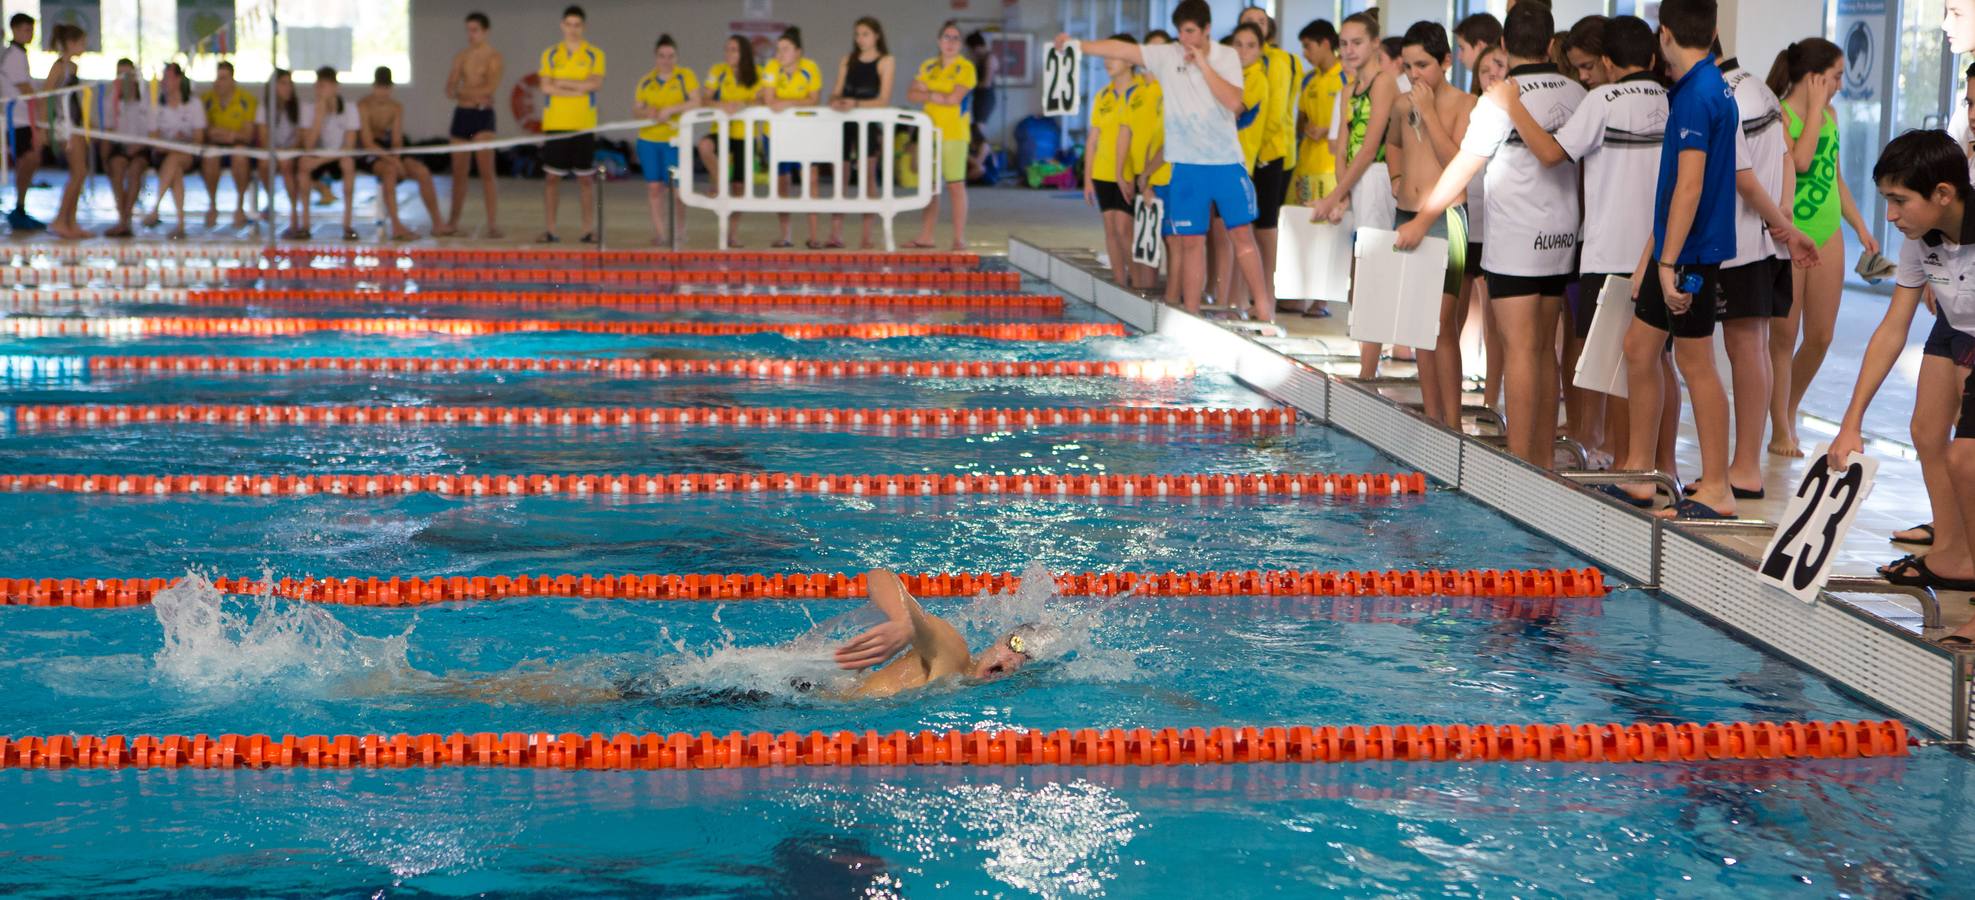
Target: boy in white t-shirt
[[26, 139], [329, 124], [1923, 177], [1201, 84]]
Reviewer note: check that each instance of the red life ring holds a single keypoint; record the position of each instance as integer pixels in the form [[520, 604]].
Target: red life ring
[[521, 102]]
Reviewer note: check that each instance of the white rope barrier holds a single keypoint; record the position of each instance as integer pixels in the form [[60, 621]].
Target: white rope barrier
[[202, 151]]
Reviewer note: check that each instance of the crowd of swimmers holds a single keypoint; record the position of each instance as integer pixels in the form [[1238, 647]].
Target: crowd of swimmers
[[168, 129]]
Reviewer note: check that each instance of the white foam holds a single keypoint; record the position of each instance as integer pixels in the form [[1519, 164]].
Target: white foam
[[213, 641]]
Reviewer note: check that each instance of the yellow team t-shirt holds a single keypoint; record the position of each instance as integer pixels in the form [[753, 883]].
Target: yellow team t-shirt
[[800, 82], [954, 120], [657, 92], [1108, 111], [1315, 165], [235, 113], [571, 113], [1145, 112], [723, 87], [1254, 115], [1279, 135]]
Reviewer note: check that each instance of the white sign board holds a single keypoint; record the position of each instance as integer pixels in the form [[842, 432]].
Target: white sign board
[[1062, 77], [1148, 220], [1799, 558], [1601, 367], [1396, 296], [1313, 259]]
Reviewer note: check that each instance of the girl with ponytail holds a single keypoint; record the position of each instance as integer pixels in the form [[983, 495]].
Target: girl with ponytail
[[1806, 76]]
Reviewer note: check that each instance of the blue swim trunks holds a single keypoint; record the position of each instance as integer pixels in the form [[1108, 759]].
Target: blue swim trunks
[[1198, 191]]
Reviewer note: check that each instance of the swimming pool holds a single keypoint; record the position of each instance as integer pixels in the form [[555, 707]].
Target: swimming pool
[[199, 662]]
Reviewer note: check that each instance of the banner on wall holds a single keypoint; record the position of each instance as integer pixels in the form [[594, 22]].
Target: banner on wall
[[761, 34], [1861, 34], [205, 27], [84, 14]]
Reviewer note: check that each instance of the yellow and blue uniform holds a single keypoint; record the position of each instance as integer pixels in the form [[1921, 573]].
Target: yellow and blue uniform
[[571, 113], [800, 81], [235, 113], [1253, 119], [1107, 114], [656, 153], [1279, 135], [724, 87], [1316, 168], [1146, 115], [954, 121]]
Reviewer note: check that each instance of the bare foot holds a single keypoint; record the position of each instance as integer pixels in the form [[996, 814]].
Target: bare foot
[[492, 232], [959, 247], [918, 244], [1785, 448], [239, 219], [444, 231], [212, 218], [67, 232]]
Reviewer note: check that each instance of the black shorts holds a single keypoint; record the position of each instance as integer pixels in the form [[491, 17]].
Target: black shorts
[[1110, 198], [1752, 291], [1500, 285], [1474, 256], [471, 123], [1698, 320], [736, 160], [1950, 343], [1589, 286], [853, 148], [23, 140], [137, 152], [327, 170], [1271, 188], [572, 155], [1964, 429]]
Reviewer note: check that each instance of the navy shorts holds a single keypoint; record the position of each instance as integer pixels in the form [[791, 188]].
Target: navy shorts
[[471, 123], [1944, 341]]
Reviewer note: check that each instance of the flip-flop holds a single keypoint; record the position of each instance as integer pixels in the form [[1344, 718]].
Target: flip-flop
[[548, 237], [1740, 493], [1956, 640], [1899, 564], [782, 245], [1618, 493], [1927, 528], [1921, 576], [1696, 511], [813, 245]]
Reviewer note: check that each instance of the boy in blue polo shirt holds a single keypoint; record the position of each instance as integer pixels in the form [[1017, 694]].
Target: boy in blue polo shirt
[[1693, 233]]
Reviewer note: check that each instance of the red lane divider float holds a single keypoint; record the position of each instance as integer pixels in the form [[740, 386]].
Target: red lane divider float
[[1641, 742], [188, 326], [1033, 303], [78, 417], [980, 281], [653, 368], [107, 593], [655, 484]]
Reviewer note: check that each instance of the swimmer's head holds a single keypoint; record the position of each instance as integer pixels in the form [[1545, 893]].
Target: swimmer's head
[[1014, 650]]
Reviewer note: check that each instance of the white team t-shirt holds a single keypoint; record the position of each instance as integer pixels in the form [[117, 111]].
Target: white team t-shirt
[[1532, 209], [1949, 268], [1616, 134], [13, 71], [1199, 129], [185, 122], [334, 125], [1767, 146], [283, 134], [131, 118]]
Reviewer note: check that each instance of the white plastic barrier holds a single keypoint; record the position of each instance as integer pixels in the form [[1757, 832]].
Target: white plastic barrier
[[808, 138]]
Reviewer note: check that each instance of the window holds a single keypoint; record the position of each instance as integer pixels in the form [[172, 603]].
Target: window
[[148, 31]]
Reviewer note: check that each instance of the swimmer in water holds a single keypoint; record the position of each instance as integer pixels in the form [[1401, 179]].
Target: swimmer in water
[[936, 651]]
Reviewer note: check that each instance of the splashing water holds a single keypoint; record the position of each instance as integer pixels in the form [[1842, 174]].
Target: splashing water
[[214, 641]]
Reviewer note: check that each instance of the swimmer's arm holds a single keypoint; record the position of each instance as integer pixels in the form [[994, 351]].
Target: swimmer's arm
[[899, 630]]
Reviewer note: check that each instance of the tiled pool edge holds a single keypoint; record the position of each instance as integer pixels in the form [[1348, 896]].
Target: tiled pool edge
[[1874, 659]]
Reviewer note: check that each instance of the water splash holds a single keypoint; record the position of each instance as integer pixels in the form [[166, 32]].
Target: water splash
[[216, 641]]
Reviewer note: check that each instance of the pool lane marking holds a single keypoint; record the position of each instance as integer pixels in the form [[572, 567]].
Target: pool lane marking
[[1640, 742], [1283, 485], [134, 276], [81, 417], [806, 302], [737, 367], [147, 252], [110, 593], [231, 326]]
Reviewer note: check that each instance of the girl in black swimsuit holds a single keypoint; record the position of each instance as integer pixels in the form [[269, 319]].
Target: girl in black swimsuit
[[864, 79]]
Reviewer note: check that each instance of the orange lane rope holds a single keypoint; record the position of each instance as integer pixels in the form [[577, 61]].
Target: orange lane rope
[[190, 326], [106, 593], [1154, 369], [1026, 303], [656, 484], [847, 278], [1640, 742], [103, 416]]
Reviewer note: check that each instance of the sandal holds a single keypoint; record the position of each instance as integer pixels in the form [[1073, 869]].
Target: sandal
[[1916, 574], [548, 237], [1618, 493], [833, 244], [782, 245], [1898, 564], [1957, 641], [1696, 511], [350, 234], [1927, 529], [813, 244], [1739, 493], [587, 238]]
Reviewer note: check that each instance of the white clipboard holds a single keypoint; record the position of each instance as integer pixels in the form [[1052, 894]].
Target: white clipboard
[[1313, 259], [1601, 367], [1396, 296]]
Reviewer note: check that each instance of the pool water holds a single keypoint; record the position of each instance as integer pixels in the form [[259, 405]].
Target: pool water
[[200, 662]]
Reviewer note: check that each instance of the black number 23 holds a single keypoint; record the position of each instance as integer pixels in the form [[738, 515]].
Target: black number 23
[[1831, 500]]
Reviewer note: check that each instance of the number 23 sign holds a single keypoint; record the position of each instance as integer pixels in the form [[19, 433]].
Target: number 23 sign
[[1800, 556]]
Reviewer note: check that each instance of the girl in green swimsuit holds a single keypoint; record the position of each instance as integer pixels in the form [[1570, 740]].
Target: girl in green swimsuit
[[1807, 74]]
